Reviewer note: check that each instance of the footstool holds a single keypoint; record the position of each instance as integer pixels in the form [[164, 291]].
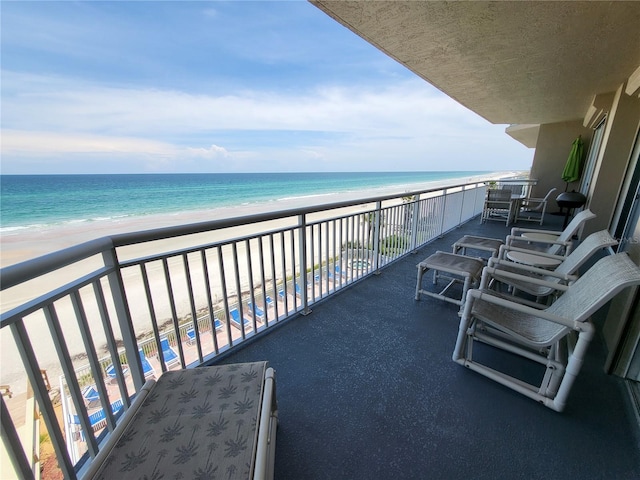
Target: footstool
[[453, 267], [491, 245]]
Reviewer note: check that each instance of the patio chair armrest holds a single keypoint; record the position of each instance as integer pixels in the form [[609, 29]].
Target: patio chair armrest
[[526, 202], [511, 238], [516, 230], [511, 248], [489, 297], [493, 262], [498, 274], [511, 298]]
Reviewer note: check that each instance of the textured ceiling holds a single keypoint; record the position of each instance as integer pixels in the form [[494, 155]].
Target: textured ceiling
[[511, 62]]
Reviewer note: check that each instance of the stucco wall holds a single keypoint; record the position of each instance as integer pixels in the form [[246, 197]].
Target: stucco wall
[[617, 142], [552, 150]]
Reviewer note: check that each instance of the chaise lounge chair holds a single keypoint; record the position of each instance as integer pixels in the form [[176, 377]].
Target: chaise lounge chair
[[147, 369], [191, 333], [556, 337], [256, 311], [524, 244], [169, 355], [235, 319], [541, 282], [91, 397], [97, 419], [112, 372], [337, 271]]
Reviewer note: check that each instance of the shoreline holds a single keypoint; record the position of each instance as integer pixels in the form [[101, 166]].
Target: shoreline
[[27, 243]]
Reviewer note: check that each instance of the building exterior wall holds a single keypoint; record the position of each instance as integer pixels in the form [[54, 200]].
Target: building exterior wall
[[617, 143], [552, 150]]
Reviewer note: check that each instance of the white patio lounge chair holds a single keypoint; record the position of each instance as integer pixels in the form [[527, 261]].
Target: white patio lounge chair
[[533, 209], [498, 205], [522, 243], [556, 337], [540, 282]]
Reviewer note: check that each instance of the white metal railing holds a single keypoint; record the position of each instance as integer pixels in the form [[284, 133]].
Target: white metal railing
[[101, 312]]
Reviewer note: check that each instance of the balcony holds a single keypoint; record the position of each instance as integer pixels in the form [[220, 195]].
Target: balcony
[[367, 389], [366, 384]]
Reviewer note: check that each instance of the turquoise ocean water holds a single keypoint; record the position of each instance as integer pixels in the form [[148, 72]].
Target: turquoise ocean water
[[37, 201]]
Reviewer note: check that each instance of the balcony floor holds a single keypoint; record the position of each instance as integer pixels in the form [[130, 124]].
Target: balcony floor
[[367, 389]]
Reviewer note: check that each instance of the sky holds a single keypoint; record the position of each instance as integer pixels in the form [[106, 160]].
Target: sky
[[243, 86]]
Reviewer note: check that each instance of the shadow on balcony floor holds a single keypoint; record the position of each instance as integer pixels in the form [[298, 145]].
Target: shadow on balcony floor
[[367, 389]]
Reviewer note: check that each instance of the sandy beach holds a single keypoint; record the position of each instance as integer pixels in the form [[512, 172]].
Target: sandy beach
[[23, 245]]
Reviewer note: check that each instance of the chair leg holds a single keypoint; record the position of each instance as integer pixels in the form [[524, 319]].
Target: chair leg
[[562, 365], [574, 364]]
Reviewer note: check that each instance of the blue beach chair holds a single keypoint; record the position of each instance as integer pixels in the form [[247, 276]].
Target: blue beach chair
[[191, 333], [168, 353], [112, 373], [97, 419], [191, 336], [91, 397], [147, 369], [235, 319], [337, 272], [256, 311]]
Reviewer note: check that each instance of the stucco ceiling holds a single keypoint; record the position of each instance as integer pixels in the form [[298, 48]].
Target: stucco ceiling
[[525, 62]]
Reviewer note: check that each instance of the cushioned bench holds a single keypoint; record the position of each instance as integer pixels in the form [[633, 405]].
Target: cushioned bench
[[207, 422]]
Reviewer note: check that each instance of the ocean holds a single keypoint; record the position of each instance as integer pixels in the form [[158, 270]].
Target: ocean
[[40, 201]]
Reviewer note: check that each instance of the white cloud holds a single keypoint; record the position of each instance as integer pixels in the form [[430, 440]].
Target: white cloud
[[356, 127], [23, 142], [213, 151], [62, 104]]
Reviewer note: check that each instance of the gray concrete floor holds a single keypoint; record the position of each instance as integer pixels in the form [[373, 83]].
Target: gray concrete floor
[[367, 390]]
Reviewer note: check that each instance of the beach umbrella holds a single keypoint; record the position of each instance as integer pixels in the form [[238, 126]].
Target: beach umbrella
[[571, 171]]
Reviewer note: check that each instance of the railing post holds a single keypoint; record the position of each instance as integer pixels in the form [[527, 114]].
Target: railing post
[[444, 211], [480, 195], [124, 317], [377, 221], [302, 251], [461, 206], [414, 222]]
